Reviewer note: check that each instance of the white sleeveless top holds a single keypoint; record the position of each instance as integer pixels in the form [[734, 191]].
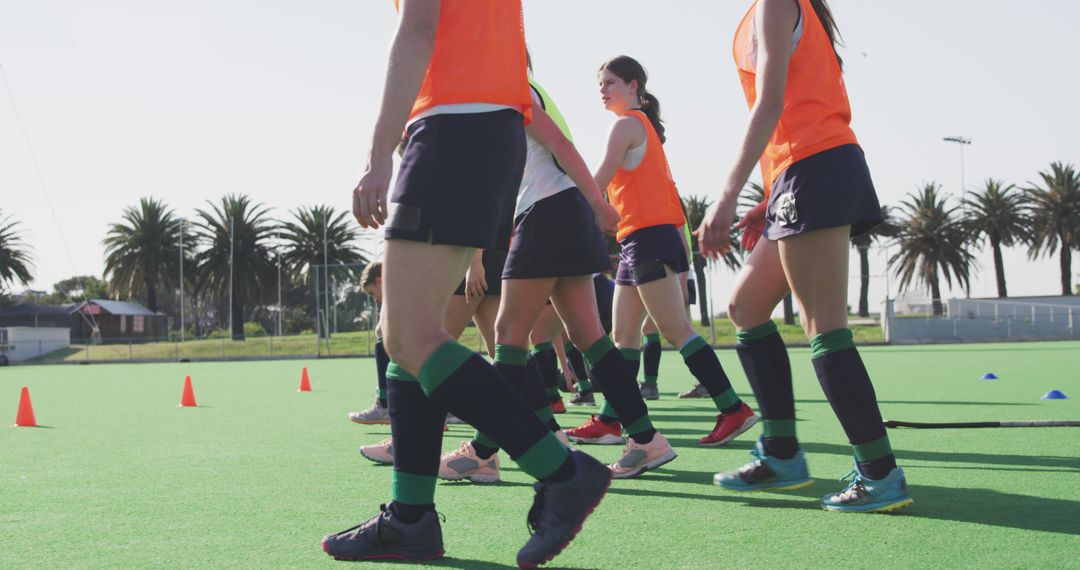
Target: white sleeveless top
[[543, 177]]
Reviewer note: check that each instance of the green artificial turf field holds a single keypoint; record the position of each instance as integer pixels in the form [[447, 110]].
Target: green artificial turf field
[[120, 477]]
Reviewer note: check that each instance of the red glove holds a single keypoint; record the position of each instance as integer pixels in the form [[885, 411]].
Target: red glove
[[753, 225]]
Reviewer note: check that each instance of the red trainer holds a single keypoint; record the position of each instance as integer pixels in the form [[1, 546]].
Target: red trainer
[[558, 407], [596, 431], [730, 426]]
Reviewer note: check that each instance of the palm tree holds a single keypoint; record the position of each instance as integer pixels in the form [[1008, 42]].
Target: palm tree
[[931, 239], [998, 214], [695, 207], [239, 227], [306, 243], [753, 195], [1055, 217], [887, 229], [319, 236], [14, 255], [141, 251]]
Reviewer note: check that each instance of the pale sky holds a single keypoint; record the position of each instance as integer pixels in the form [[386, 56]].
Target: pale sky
[[186, 101]]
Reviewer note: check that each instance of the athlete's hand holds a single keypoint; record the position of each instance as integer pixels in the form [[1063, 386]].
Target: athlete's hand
[[475, 280], [714, 233], [607, 217], [753, 225], [571, 378], [369, 196]]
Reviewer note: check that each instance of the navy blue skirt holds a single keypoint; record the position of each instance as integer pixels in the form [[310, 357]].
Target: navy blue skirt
[[648, 253], [830, 189], [459, 179], [557, 237]]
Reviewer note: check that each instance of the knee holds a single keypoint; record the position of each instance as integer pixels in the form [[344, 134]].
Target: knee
[[742, 318], [509, 332], [676, 333]]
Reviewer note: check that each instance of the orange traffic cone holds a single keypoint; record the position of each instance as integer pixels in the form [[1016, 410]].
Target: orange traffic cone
[[25, 417], [187, 399], [305, 381]]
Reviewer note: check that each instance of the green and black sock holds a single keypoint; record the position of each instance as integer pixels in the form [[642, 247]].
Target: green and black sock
[[764, 358], [547, 362], [382, 361], [650, 357], [701, 359], [847, 385], [416, 424], [454, 376], [577, 364], [622, 399]]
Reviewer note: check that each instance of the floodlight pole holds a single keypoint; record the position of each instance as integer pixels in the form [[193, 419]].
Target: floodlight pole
[[326, 274], [962, 141], [279, 292], [181, 280], [232, 228]]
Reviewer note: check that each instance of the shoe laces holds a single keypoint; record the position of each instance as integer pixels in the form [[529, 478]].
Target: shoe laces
[[855, 487], [751, 468], [534, 519]]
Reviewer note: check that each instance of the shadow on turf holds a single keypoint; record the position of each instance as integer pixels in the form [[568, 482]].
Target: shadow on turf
[[450, 562], [976, 506], [950, 458]]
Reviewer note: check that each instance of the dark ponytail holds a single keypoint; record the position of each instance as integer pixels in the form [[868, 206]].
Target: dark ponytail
[[824, 14], [628, 69]]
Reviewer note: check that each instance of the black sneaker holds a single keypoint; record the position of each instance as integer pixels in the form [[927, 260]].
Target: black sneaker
[[387, 537], [583, 399], [560, 509]]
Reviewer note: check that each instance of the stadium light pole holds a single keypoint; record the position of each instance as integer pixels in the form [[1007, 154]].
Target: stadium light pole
[[326, 274], [232, 227], [181, 280], [962, 141], [279, 292]]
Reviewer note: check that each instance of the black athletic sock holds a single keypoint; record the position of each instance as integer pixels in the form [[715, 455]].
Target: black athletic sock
[[416, 424], [765, 360], [701, 359], [547, 363], [650, 358], [536, 396], [410, 514], [614, 378], [847, 385], [382, 361], [577, 364], [454, 375]]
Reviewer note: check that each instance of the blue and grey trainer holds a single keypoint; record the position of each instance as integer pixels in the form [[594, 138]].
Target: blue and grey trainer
[[865, 495], [767, 473]]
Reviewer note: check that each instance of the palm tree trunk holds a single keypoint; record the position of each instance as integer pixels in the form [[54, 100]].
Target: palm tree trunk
[[237, 313], [999, 266], [1066, 266], [703, 302], [151, 292], [864, 281], [935, 294], [789, 310]]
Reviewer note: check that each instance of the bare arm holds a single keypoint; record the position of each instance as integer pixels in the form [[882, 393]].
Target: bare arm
[[626, 133], [775, 20], [410, 55], [547, 133]]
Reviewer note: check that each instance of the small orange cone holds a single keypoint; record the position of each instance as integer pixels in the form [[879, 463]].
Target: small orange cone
[[187, 399], [25, 417], [305, 381]]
